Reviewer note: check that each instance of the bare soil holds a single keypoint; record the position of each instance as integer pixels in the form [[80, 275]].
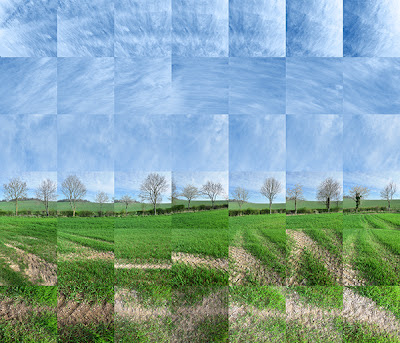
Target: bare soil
[[86, 253], [17, 310], [119, 265], [70, 312], [197, 260], [39, 271]]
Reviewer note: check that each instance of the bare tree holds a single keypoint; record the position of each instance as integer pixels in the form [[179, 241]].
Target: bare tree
[[190, 192], [152, 188], [295, 194], [15, 190], [127, 200], [329, 190], [74, 190], [46, 192], [357, 193], [102, 198], [174, 192], [240, 195], [212, 190], [270, 189], [388, 192]]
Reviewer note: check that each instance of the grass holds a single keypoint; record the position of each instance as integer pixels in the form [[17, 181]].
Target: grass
[[376, 255], [143, 239], [186, 276], [30, 325], [349, 203], [331, 240], [267, 221], [204, 233], [321, 296], [258, 206], [314, 205], [362, 333], [315, 221], [372, 221]]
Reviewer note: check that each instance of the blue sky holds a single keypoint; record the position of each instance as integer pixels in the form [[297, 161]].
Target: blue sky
[[375, 181], [200, 28], [85, 85], [85, 143], [257, 28], [257, 85], [372, 143], [128, 183], [28, 28], [371, 28], [85, 28], [28, 143], [200, 143], [198, 179], [144, 31], [253, 181], [314, 85], [94, 182], [257, 142], [314, 28], [310, 181], [28, 85], [314, 143], [142, 143], [200, 85], [139, 79], [371, 85]]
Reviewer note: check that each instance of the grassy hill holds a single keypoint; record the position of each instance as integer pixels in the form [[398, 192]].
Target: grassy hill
[[234, 206], [349, 203], [314, 205]]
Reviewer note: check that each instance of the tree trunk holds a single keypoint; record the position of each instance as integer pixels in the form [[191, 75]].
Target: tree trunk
[[328, 202], [155, 209], [16, 207], [126, 210], [295, 206], [389, 205], [188, 203], [47, 209], [270, 207], [212, 203], [73, 211]]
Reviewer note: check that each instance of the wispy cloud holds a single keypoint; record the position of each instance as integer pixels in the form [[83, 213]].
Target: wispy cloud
[[257, 85], [85, 85], [143, 143], [28, 85], [314, 143], [372, 143], [28, 28], [371, 28], [314, 28], [257, 28], [200, 143], [85, 143], [314, 85], [257, 142], [85, 28], [200, 28], [371, 85]]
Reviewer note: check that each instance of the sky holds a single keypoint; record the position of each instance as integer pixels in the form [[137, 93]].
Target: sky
[[371, 28], [257, 28], [314, 28], [314, 143], [253, 181], [128, 183], [310, 181], [198, 179], [257, 143], [372, 143], [314, 85]]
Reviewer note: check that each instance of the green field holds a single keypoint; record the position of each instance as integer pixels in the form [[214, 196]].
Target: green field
[[315, 221], [258, 243], [371, 221], [372, 256], [314, 205], [349, 203], [260, 206], [28, 251]]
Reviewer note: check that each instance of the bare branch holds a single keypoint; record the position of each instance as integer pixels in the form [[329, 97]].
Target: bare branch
[[295, 194], [358, 193], [212, 190], [240, 195], [74, 190], [15, 190], [46, 192], [270, 190], [388, 192], [152, 188], [190, 192], [329, 190]]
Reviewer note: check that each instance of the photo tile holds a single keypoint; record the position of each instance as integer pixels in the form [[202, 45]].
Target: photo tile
[[85, 28], [28, 29], [370, 28], [139, 79], [257, 28], [257, 85], [142, 28], [28, 85], [200, 28], [247, 132], [85, 85], [85, 143], [314, 85], [370, 85], [314, 143], [314, 29]]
